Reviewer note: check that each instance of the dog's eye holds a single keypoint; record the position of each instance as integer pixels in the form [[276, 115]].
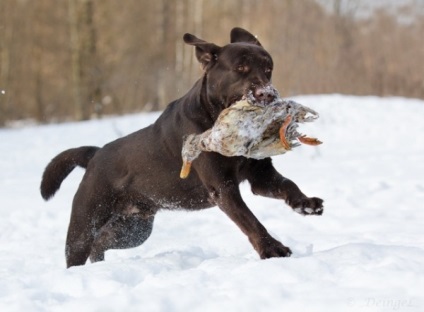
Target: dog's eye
[[268, 70], [242, 68]]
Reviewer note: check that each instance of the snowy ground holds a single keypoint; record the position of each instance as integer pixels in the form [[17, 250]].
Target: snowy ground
[[366, 253]]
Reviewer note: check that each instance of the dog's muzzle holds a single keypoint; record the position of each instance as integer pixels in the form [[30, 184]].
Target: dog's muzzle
[[265, 95]]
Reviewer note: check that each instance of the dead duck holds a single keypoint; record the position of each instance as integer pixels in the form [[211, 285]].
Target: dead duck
[[252, 130]]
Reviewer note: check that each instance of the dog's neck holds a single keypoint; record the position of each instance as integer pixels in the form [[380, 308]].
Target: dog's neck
[[200, 105], [210, 104]]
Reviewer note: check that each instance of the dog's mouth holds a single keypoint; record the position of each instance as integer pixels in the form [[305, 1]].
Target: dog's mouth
[[256, 95], [262, 95], [235, 98]]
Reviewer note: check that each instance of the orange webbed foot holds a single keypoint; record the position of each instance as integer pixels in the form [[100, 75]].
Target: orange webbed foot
[[309, 141], [282, 133]]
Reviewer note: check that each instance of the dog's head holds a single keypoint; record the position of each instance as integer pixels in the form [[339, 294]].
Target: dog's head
[[235, 70]]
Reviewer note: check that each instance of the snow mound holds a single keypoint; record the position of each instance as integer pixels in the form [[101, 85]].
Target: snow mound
[[365, 253]]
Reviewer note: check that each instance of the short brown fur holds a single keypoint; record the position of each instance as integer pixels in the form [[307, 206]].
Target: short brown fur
[[128, 180]]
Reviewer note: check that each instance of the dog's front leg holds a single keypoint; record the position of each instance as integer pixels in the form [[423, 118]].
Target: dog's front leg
[[266, 181], [227, 197]]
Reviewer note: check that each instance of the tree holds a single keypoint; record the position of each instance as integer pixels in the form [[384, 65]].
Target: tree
[[79, 58], [5, 40], [86, 76]]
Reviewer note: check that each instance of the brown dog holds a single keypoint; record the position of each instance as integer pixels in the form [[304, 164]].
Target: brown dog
[[128, 180]]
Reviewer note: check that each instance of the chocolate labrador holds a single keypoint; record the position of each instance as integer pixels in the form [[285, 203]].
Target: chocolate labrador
[[128, 180]]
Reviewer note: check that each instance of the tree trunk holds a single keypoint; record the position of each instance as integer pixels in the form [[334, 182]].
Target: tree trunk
[[86, 78], [179, 45], [197, 13], [91, 74], [75, 56], [5, 40]]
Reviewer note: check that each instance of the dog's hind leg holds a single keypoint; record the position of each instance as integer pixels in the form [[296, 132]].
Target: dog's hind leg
[[89, 214], [81, 231], [79, 240], [77, 250], [120, 232]]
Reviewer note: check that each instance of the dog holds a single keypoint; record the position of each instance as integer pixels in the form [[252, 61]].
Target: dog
[[129, 180]]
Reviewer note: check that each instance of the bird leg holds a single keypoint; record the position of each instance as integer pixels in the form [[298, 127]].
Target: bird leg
[[309, 141], [282, 132]]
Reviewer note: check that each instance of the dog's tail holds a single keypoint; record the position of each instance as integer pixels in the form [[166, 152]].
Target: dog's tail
[[62, 165]]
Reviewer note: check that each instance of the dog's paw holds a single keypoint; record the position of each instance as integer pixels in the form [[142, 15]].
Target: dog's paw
[[271, 248], [308, 206]]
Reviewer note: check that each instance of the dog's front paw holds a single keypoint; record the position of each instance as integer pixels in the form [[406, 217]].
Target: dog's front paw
[[272, 248], [308, 206]]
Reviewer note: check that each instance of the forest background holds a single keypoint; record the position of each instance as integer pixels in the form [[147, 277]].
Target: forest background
[[80, 59]]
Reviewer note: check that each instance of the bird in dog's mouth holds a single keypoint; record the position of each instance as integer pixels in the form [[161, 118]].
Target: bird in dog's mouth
[[251, 129]]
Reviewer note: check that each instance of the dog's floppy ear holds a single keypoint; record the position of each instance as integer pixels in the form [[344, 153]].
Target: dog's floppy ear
[[206, 52], [241, 35]]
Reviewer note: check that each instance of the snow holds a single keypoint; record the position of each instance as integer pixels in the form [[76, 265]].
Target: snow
[[365, 253]]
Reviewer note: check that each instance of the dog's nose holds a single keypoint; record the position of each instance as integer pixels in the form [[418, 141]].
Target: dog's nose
[[265, 94]]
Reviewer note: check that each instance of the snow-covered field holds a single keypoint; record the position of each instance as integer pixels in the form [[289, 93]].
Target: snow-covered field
[[366, 253]]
